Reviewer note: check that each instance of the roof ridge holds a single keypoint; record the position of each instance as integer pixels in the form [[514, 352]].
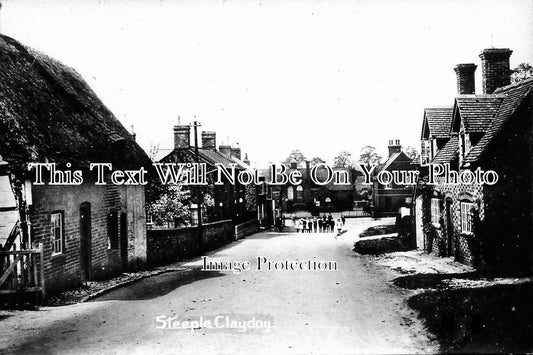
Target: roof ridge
[[513, 85]]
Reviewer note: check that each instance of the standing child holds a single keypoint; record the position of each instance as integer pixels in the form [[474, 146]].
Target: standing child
[[339, 226]]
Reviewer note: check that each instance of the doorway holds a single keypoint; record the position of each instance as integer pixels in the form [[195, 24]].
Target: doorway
[[449, 227], [124, 241], [85, 240]]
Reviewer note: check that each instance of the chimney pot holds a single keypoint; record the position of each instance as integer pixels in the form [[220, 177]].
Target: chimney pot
[[465, 78], [495, 66], [394, 146]]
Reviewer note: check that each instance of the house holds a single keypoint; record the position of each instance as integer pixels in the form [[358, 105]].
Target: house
[[489, 226], [311, 196], [221, 202], [48, 113], [387, 198]]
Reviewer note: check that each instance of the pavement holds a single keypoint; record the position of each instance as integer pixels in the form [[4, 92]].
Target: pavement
[[353, 309]]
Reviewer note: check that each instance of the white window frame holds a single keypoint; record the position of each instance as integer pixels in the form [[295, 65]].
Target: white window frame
[[466, 217], [435, 211], [56, 227]]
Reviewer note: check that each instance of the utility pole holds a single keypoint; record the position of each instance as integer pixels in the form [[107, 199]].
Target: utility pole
[[196, 124]]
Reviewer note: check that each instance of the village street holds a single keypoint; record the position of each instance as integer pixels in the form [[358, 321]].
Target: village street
[[351, 310]]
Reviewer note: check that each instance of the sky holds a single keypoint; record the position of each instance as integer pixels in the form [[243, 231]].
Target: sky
[[273, 76]]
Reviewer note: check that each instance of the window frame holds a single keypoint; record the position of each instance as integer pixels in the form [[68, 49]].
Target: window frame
[[61, 239], [466, 216]]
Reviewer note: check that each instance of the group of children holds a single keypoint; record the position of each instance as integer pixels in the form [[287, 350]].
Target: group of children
[[319, 225]]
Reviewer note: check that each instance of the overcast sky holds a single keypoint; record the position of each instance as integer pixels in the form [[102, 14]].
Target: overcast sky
[[319, 76]]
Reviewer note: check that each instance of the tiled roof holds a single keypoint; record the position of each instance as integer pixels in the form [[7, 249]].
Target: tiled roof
[[214, 157], [438, 120], [395, 157], [515, 94], [477, 111], [448, 152]]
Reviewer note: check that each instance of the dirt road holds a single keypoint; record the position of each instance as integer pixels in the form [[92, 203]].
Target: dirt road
[[351, 310]]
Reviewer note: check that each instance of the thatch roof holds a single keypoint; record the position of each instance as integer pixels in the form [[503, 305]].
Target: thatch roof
[[49, 113]]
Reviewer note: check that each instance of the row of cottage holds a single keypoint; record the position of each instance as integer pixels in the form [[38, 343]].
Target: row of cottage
[[489, 226]]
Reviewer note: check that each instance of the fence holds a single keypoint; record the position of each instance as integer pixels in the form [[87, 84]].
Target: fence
[[22, 271]]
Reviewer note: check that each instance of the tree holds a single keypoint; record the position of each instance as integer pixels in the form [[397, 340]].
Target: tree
[[369, 156], [316, 161], [296, 155], [170, 207], [521, 72], [343, 160], [412, 153]]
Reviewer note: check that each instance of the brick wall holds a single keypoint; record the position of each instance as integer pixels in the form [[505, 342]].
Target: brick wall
[[458, 246], [170, 245], [244, 229], [65, 270]]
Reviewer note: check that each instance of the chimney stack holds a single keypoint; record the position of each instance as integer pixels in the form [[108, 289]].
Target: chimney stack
[[496, 70], [394, 146], [182, 136], [465, 78], [209, 140], [236, 151], [225, 149], [246, 160]]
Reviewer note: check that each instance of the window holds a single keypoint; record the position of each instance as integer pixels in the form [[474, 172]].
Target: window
[[299, 193], [290, 193], [56, 222], [466, 218], [435, 211], [112, 230]]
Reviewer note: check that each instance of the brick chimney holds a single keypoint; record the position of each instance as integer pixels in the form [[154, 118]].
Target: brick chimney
[[465, 78], [225, 149], [246, 160], [182, 136], [394, 146], [209, 140], [236, 151], [496, 70]]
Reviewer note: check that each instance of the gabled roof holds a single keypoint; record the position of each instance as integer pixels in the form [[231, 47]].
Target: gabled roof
[[515, 95], [475, 111], [448, 152], [401, 156], [49, 113], [437, 122]]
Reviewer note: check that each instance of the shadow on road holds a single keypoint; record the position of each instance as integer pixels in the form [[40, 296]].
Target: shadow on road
[[417, 281], [496, 318], [157, 286], [269, 235]]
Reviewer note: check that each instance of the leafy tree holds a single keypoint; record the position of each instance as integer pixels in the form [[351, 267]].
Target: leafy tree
[[154, 150], [171, 207], [297, 155], [343, 160], [521, 72], [412, 153], [369, 156], [317, 160]]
